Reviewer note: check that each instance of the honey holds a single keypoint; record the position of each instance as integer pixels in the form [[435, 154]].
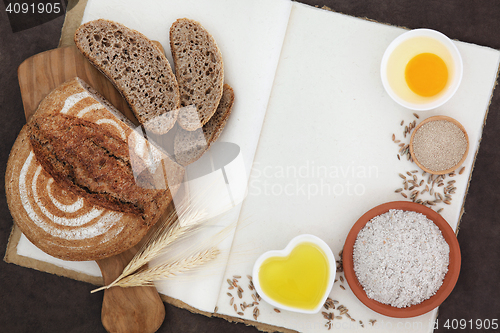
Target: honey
[[298, 280]]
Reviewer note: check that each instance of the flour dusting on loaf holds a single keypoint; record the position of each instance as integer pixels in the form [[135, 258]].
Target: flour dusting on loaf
[[62, 221]]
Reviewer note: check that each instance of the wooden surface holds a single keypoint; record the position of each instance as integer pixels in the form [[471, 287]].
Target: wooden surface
[[51, 300], [137, 309], [41, 73], [131, 310]]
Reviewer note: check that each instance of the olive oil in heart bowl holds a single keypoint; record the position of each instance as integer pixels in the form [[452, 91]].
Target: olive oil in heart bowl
[[298, 278]]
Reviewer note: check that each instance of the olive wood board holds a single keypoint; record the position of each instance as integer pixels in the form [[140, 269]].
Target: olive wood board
[[136, 309]]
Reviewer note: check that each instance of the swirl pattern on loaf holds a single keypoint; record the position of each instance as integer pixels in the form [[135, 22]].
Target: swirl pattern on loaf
[[65, 224]]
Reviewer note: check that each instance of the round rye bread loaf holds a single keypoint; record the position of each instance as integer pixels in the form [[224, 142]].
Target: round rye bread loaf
[[70, 184]]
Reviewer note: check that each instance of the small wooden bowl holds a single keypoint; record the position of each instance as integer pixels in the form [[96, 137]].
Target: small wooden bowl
[[449, 281], [442, 172]]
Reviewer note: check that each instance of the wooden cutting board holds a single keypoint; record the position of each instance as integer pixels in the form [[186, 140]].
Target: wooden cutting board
[[136, 309], [43, 72]]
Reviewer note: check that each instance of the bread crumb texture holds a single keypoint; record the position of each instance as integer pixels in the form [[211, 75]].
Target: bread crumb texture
[[137, 67], [189, 146], [199, 72]]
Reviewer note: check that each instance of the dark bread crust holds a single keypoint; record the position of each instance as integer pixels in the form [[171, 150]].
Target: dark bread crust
[[138, 69], [88, 231], [199, 71], [92, 162]]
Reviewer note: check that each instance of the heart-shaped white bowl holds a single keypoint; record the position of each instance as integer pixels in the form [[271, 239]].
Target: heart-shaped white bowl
[[306, 238]]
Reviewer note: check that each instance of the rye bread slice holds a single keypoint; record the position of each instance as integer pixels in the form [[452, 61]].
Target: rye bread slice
[[189, 146], [137, 68], [199, 71]]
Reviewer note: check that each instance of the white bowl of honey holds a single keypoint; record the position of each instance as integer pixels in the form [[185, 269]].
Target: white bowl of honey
[[298, 278], [421, 69]]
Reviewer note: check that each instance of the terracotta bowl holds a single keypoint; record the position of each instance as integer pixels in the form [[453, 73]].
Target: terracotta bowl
[[450, 278], [434, 119]]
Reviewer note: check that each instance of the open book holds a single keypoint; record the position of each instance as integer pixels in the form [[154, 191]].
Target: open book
[[313, 125]]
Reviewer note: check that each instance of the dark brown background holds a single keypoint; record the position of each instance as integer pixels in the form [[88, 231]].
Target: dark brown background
[[32, 301]]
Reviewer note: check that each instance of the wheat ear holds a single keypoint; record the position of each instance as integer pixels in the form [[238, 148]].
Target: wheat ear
[[170, 231], [164, 271]]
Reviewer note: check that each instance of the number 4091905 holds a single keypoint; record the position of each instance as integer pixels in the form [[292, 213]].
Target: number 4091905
[[32, 8], [480, 324]]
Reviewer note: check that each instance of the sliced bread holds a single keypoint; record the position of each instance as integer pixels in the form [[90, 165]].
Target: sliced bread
[[189, 146], [137, 68], [199, 71]]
